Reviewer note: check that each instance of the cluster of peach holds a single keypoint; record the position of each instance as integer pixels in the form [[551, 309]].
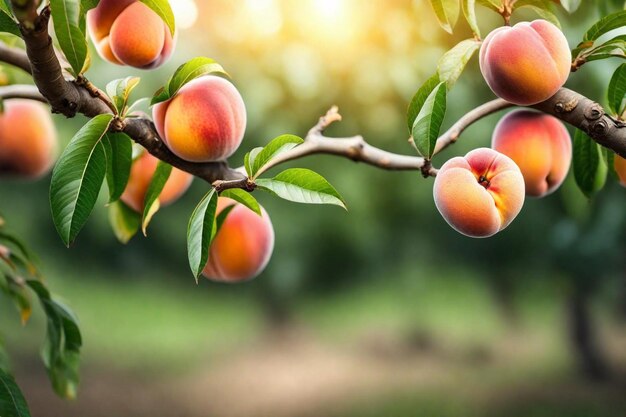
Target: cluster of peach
[[530, 155], [204, 122]]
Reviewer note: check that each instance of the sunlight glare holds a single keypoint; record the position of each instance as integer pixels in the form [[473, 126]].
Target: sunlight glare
[[186, 13]]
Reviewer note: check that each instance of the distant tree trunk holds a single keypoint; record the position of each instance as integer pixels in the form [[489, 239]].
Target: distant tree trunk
[[584, 338], [621, 306], [503, 289]]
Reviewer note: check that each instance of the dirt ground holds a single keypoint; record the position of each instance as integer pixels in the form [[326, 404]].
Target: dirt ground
[[293, 374]]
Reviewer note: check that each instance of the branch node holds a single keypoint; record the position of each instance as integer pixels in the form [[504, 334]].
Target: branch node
[[594, 112]]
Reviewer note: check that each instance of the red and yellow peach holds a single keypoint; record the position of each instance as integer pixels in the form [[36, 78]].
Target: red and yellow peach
[[527, 63], [127, 32], [479, 194], [28, 139], [539, 144], [141, 174], [620, 169], [242, 247], [204, 122]]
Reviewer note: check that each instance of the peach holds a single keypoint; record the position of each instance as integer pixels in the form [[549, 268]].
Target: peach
[[127, 32], [28, 139], [141, 173], [242, 247], [527, 63], [620, 169], [479, 194], [539, 144], [204, 122]]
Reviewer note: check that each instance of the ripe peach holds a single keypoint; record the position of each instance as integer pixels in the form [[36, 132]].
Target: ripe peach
[[479, 194], [127, 32], [620, 169], [205, 121], [141, 174], [28, 139], [242, 247], [539, 144], [527, 63]]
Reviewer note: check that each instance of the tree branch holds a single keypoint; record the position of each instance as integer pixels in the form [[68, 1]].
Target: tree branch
[[70, 98], [29, 92]]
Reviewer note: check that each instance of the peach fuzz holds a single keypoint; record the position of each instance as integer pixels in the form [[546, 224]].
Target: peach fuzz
[[141, 174], [620, 169], [127, 32], [539, 144], [28, 139], [479, 194], [527, 63], [242, 247], [204, 122]]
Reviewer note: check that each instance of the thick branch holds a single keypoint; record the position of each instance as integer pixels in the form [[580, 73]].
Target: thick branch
[[14, 56], [71, 98], [29, 92]]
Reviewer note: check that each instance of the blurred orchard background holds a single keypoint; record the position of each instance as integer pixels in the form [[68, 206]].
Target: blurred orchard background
[[381, 311]]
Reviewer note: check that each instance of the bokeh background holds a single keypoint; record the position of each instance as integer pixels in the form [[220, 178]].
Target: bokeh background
[[381, 311]]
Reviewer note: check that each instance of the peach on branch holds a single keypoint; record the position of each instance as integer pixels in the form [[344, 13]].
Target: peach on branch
[[204, 122], [539, 144], [479, 194], [28, 139], [141, 174], [527, 63], [127, 32], [242, 247]]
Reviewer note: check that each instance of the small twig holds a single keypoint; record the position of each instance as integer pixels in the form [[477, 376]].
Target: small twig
[[95, 92]]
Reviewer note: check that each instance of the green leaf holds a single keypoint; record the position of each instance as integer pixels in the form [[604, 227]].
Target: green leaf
[[302, 186], [469, 11], [590, 169], [490, 4], [606, 24], [200, 233], [429, 120], [61, 350], [197, 67], [66, 17], [119, 154], [119, 92], [420, 97], [77, 178], [12, 402], [5, 6], [164, 10], [8, 24], [151, 203], [244, 198], [277, 146], [617, 90], [447, 12], [124, 221], [543, 8], [248, 160], [453, 62]]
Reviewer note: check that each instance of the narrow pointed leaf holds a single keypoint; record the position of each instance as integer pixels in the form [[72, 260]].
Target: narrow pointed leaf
[[151, 203], [77, 178], [590, 169], [124, 221], [447, 12], [302, 186], [119, 153], [429, 120], [66, 17], [606, 24], [12, 402], [469, 11], [453, 62], [200, 233], [617, 90], [244, 198], [8, 24], [164, 10], [420, 98], [277, 146]]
